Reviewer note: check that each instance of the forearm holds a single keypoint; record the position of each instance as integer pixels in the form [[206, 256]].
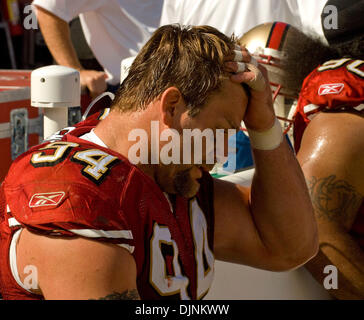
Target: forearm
[[56, 34], [341, 251], [281, 205], [280, 217]]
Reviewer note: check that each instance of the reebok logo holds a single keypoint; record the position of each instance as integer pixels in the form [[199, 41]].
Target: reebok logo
[[330, 88], [46, 199]]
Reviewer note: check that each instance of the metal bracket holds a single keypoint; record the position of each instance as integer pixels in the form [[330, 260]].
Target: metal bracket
[[74, 116], [18, 131], [21, 126]]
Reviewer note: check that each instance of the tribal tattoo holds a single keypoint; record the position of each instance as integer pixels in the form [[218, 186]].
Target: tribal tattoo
[[126, 295], [334, 198]]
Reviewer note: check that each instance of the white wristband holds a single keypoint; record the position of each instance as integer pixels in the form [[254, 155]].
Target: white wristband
[[267, 140]]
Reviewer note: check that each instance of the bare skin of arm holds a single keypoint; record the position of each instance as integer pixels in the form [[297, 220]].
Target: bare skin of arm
[[94, 270], [56, 33], [331, 156], [271, 226]]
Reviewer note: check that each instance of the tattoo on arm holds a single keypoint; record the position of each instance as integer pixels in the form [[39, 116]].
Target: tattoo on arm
[[334, 199], [126, 295]]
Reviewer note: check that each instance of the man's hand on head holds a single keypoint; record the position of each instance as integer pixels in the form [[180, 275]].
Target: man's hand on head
[[260, 114]]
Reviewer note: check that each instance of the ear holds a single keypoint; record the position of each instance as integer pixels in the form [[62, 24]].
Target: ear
[[170, 107]]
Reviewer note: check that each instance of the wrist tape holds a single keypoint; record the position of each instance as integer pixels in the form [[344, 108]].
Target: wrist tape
[[267, 140]]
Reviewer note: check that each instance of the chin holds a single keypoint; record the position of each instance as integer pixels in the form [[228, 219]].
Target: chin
[[182, 183], [192, 190]]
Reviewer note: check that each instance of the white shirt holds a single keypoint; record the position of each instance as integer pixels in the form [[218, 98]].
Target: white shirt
[[308, 12], [92, 137], [114, 29], [239, 16]]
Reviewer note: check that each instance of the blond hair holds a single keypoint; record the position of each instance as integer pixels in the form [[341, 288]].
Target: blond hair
[[189, 58]]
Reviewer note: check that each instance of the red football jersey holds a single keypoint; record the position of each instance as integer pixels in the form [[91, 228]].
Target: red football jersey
[[339, 85], [336, 84], [71, 187]]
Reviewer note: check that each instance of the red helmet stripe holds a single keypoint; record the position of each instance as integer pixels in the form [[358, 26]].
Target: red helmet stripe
[[277, 35]]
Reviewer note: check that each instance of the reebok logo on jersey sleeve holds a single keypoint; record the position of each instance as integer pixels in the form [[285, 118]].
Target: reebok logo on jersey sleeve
[[330, 88], [46, 199]]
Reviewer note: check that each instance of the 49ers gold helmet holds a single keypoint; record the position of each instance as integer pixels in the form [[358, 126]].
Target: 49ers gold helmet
[[266, 43]]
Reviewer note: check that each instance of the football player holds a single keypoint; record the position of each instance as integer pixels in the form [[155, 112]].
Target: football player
[[80, 221], [328, 133]]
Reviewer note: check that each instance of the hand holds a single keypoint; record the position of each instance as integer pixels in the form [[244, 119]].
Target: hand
[[259, 115], [95, 81]]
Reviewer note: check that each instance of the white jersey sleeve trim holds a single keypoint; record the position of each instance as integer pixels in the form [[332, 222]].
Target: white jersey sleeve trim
[[127, 247], [360, 107], [310, 107], [13, 222], [112, 234], [13, 261]]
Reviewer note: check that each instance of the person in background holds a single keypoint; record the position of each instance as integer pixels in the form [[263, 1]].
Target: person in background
[[237, 17], [114, 30], [328, 134]]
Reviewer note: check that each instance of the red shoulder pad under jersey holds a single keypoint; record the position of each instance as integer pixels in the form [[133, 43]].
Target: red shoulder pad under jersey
[[336, 85], [71, 187]]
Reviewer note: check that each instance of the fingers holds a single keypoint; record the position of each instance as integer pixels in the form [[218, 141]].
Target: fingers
[[246, 69], [231, 66], [95, 81], [238, 55], [253, 61], [253, 77], [248, 73], [241, 53]]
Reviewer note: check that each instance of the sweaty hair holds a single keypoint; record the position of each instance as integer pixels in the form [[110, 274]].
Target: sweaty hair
[[353, 49], [303, 53], [189, 58]]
